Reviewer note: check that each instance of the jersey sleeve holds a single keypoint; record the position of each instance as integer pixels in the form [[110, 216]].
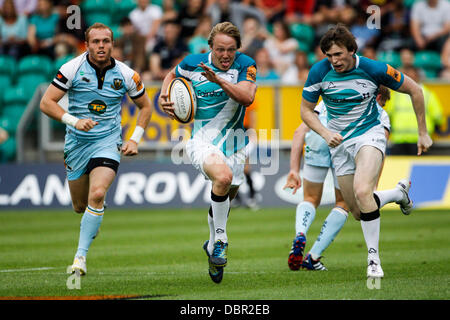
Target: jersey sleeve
[[383, 73], [188, 67], [133, 82], [313, 85], [247, 71], [66, 74], [135, 86]]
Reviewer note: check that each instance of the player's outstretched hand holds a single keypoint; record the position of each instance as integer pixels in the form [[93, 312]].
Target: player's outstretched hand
[[85, 124], [166, 105], [423, 144], [293, 181], [209, 73], [130, 148]]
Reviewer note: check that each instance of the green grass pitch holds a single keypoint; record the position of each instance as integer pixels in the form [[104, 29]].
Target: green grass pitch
[[157, 254]]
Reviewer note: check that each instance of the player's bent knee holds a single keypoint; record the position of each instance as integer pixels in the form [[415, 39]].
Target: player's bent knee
[[98, 194], [363, 193], [224, 179]]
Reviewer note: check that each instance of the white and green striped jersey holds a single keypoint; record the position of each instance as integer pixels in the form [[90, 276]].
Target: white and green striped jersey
[[218, 119]]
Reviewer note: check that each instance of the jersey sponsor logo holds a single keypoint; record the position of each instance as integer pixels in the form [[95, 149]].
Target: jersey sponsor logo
[[206, 94], [117, 84], [251, 73], [395, 74], [137, 80], [359, 99], [362, 84], [97, 107]]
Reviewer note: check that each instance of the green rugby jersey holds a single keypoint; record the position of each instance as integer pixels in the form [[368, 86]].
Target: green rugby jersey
[[218, 119], [350, 97]]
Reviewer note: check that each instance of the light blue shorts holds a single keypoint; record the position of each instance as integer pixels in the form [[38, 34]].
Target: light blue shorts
[[317, 152], [77, 152]]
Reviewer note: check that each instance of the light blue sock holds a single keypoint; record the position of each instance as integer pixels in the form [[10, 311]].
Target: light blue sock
[[304, 216], [330, 228], [90, 223]]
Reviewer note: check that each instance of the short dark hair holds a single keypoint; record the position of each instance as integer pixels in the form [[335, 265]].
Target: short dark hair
[[339, 35]]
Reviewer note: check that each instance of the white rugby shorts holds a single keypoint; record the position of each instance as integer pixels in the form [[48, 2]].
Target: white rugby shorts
[[198, 151], [343, 156]]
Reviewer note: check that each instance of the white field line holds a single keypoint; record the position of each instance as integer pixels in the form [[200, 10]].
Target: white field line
[[28, 269]]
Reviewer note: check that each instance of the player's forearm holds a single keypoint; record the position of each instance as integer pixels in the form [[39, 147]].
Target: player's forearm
[[418, 102], [169, 77], [298, 140], [312, 121], [51, 108], [145, 114], [242, 93]]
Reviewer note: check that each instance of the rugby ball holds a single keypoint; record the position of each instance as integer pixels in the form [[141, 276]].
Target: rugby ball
[[182, 95]]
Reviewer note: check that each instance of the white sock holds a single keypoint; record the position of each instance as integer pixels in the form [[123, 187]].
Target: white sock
[[371, 231], [388, 196], [220, 207]]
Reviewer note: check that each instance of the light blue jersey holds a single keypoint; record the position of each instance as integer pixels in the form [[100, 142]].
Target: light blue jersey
[[317, 152], [350, 97], [97, 95], [218, 119]]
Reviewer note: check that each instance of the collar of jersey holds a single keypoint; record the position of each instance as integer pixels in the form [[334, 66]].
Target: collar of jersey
[[97, 69]]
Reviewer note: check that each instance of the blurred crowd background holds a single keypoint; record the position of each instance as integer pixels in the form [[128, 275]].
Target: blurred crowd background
[[152, 36]]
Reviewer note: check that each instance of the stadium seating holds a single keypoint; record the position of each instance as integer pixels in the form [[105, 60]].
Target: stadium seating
[[36, 64], [15, 96], [30, 82], [9, 124], [122, 9], [304, 34], [5, 82], [390, 57], [7, 65], [8, 150], [98, 11], [429, 61], [97, 6]]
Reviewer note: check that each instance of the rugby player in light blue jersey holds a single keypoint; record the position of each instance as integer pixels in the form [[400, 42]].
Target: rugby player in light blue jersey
[[95, 84], [348, 85], [224, 83]]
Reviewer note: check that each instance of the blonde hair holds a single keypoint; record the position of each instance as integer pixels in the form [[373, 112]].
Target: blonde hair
[[228, 29], [98, 25]]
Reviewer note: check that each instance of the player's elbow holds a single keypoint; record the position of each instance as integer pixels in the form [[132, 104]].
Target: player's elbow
[[247, 101], [418, 91], [43, 105]]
